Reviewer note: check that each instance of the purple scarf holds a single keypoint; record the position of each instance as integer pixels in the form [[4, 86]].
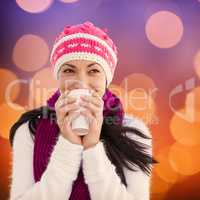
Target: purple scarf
[[47, 133]]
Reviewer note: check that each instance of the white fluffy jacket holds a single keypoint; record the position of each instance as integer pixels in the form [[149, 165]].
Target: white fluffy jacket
[[57, 180]]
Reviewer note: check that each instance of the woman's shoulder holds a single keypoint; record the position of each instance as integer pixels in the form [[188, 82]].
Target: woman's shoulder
[[22, 135], [23, 127]]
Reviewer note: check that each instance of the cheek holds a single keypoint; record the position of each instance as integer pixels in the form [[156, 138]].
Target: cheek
[[61, 85], [100, 85]]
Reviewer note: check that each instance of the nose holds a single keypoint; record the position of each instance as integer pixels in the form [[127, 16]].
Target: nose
[[81, 82]]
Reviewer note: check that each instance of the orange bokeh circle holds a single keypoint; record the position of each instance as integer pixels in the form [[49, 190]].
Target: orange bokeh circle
[[42, 86], [183, 130], [164, 29], [9, 85], [30, 53], [164, 169], [185, 160], [10, 114]]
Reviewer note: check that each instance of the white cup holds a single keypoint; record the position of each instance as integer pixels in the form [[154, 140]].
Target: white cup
[[81, 124]]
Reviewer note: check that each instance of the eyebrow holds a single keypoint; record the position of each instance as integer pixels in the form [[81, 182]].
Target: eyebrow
[[73, 66]]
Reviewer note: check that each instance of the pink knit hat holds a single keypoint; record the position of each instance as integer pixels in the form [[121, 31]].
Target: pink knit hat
[[85, 41]]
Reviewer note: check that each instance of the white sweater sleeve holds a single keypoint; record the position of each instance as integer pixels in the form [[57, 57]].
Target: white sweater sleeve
[[103, 181], [56, 181]]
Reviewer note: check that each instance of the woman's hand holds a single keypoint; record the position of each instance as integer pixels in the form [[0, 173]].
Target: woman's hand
[[94, 112], [65, 107]]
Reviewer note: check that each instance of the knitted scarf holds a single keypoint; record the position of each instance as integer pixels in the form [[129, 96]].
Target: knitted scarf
[[46, 135]]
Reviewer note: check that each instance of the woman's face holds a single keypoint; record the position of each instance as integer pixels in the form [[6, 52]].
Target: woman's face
[[77, 74]]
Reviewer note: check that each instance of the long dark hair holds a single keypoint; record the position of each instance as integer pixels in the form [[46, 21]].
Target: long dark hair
[[120, 149]]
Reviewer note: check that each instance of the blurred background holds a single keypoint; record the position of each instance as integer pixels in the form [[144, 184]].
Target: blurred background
[[157, 77]]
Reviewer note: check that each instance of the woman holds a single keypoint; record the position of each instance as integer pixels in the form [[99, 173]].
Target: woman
[[113, 161]]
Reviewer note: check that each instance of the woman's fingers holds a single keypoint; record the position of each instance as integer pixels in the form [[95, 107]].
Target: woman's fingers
[[95, 100], [94, 104], [88, 115], [69, 107], [93, 109], [67, 113], [64, 100], [64, 94], [64, 106], [63, 112]]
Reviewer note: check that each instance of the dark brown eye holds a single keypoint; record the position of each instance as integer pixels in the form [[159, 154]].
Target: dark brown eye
[[68, 71], [94, 71]]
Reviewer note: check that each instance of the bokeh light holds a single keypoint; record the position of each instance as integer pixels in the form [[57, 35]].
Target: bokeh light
[[141, 105], [159, 185], [9, 116], [6, 166], [159, 49], [197, 63], [185, 131], [140, 93], [35, 6], [69, 1], [193, 98], [164, 29], [140, 81], [193, 101], [42, 86], [136, 102], [30, 53], [164, 169], [8, 86], [185, 160]]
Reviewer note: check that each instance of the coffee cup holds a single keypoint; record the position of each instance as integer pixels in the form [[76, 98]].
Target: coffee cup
[[80, 125]]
